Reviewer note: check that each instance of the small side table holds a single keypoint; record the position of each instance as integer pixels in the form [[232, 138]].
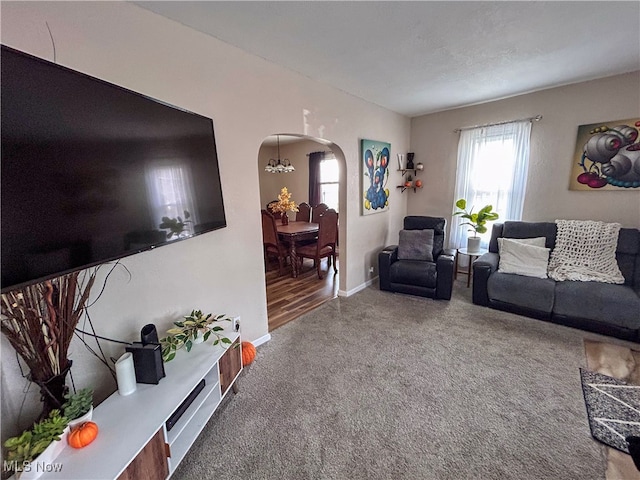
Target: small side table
[[472, 256]]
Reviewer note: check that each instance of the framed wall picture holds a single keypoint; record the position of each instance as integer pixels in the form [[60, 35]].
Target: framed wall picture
[[375, 176], [607, 156]]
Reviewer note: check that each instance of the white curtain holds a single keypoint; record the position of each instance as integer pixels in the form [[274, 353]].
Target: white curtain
[[492, 170]]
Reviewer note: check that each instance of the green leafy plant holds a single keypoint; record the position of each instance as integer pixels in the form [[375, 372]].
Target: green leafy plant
[[77, 404], [186, 332], [176, 226], [32, 443], [477, 221]]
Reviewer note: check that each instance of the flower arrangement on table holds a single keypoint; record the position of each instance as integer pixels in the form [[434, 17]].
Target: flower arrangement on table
[[284, 205]]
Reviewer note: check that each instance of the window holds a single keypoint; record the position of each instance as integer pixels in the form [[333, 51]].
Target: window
[[492, 170], [329, 182]]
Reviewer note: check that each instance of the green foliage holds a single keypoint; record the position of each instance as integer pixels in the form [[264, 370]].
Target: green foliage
[[175, 225], [77, 404], [186, 332], [477, 221], [32, 443]]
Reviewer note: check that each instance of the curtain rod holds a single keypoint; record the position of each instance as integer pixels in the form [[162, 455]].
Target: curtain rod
[[324, 151], [537, 118]]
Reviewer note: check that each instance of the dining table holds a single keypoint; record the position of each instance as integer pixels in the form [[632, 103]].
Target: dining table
[[295, 232]]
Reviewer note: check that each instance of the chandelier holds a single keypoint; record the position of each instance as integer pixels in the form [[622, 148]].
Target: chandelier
[[279, 166]]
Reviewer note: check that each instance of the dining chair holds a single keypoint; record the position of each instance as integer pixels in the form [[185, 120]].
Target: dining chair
[[270, 205], [317, 211], [325, 246], [272, 245], [304, 213]]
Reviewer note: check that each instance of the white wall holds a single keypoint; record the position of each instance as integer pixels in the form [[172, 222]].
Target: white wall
[[248, 99], [553, 140]]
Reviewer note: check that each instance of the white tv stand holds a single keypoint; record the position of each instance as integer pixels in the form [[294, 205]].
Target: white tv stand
[[133, 442]]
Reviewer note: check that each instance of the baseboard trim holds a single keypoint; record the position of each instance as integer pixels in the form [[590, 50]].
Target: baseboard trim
[[342, 293], [263, 339]]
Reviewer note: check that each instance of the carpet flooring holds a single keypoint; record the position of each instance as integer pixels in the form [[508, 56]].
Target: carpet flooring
[[382, 385]]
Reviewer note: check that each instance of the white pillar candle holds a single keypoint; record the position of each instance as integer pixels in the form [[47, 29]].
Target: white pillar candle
[[126, 374]]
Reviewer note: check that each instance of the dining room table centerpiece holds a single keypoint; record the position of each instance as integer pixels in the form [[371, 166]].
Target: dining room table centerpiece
[[284, 205]]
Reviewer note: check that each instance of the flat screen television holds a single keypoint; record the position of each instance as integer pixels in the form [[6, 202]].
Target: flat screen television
[[92, 172]]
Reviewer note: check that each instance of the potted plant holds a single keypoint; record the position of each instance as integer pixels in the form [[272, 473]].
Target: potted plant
[[78, 407], [284, 205], [477, 222], [41, 443], [195, 328]]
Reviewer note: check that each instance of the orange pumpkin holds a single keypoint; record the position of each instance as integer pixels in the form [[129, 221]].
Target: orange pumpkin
[[419, 183], [248, 353], [83, 435]]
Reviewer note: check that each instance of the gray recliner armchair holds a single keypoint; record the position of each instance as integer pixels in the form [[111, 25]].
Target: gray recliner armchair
[[419, 277]]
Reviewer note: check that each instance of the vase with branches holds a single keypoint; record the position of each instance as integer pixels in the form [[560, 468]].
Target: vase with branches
[[39, 321]]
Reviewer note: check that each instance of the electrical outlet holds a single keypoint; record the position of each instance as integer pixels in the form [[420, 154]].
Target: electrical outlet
[[370, 269], [235, 325]]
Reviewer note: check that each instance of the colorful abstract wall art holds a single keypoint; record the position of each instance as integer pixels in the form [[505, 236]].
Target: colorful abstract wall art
[[607, 156], [375, 176]]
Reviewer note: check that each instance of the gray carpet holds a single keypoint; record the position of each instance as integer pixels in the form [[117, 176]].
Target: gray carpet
[[389, 386]]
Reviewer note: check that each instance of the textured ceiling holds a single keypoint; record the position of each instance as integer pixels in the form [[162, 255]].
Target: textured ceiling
[[423, 57]]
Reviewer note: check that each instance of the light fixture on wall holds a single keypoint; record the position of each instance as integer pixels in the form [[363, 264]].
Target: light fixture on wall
[[279, 166]]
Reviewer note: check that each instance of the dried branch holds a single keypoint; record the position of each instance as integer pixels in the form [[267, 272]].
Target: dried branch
[[39, 321]]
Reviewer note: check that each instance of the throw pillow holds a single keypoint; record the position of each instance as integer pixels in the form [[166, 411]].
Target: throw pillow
[[416, 245], [536, 241], [522, 259]]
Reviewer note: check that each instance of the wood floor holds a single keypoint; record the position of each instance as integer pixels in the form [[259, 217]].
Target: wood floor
[[288, 297]]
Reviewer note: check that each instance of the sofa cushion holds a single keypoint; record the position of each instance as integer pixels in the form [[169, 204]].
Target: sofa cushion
[[496, 233], [628, 241], [523, 258], [626, 254], [416, 245], [529, 292], [605, 302], [413, 272], [514, 229]]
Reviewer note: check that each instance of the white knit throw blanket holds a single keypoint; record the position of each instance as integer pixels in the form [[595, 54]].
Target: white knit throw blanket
[[585, 250]]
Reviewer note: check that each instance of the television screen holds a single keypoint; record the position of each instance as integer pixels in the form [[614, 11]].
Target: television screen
[[92, 172]]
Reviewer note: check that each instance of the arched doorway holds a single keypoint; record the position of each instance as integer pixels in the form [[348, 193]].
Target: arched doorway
[[288, 297]]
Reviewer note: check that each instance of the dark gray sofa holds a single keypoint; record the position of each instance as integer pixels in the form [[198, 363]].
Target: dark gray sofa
[[594, 306]]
